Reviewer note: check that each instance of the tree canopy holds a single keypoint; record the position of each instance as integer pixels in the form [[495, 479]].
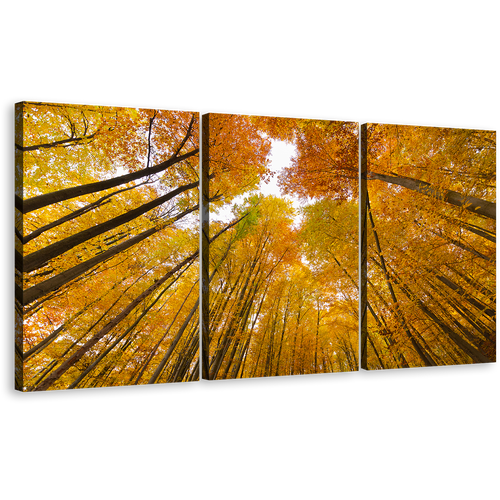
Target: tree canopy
[[107, 246]]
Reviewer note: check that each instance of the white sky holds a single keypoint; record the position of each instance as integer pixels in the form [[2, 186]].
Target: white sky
[[280, 157]]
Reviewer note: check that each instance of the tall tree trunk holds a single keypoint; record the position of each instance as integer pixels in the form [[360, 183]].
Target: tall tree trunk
[[426, 359], [125, 312], [50, 338], [470, 203], [244, 352], [73, 215], [476, 354], [381, 363], [484, 338], [41, 289], [285, 318], [460, 291], [26, 206], [363, 245], [384, 330], [173, 345], [480, 287], [204, 246], [115, 343], [39, 258], [153, 352], [68, 363], [461, 245], [243, 301], [473, 350]]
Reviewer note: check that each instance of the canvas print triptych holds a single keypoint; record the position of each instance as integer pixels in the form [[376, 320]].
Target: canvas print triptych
[[159, 246]]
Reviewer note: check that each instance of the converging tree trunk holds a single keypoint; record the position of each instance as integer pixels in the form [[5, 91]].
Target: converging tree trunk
[[39, 258], [26, 206], [470, 203]]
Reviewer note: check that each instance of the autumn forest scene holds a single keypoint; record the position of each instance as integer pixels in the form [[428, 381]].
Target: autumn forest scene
[[109, 241]]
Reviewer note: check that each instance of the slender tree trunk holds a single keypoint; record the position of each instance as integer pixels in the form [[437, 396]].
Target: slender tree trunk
[[484, 338], [241, 327], [205, 250], [381, 363], [48, 340], [297, 325], [77, 213], [153, 352], [427, 361], [56, 374], [244, 352], [39, 258], [461, 245], [125, 312], [474, 283], [470, 203], [460, 291], [240, 304], [239, 318], [26, 206], [173, 345], [285, 318], [472, 228], [41, 289], [363, 254], [472, 351], [185, 356], [115, 343]]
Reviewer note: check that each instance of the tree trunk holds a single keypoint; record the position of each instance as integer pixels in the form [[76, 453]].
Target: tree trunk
[[125, 312], [482, 307], [43, 288], [48, 340], [241, 306], [479, 231], [474, 283], [153, 352], [173, 345], [244, 352], [66, 365], [204, 246], [73, 215], [39, 258], [363, 246], [285, 318], [376, 352], [476, 354], [26, 206], [427, 361], [461, 245], [470, 203], [115, 343]]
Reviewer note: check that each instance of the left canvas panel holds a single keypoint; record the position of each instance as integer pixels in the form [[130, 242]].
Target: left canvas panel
[[107, 244]]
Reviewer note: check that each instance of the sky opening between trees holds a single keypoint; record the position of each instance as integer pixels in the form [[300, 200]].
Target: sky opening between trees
[[108, 246]]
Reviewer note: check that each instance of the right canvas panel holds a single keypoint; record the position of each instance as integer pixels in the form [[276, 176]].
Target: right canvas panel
[[427, 246]]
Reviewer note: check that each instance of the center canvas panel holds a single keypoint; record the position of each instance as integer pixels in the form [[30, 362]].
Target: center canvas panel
[[280, 246]]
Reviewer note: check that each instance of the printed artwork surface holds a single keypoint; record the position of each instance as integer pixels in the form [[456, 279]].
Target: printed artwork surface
[[428, 246], [107, 238]]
